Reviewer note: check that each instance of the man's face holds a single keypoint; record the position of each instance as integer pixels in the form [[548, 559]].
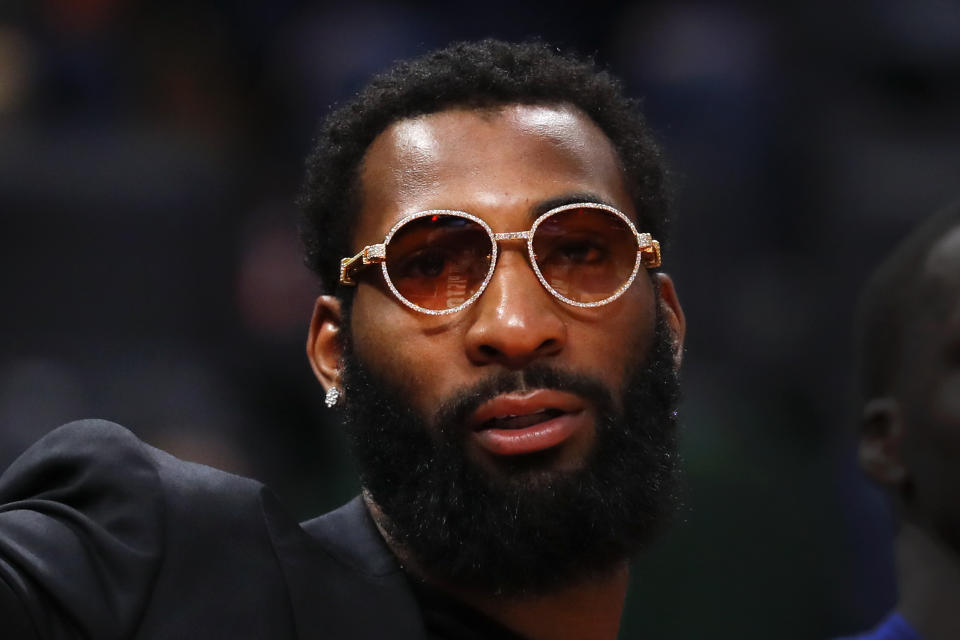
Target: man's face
[[932, 388], [502, 166], [519, 426]]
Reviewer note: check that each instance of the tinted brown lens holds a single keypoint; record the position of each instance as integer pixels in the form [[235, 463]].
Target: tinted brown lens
[[585, 254], [438, 261]]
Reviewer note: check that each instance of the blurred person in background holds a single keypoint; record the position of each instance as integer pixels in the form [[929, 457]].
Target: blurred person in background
[[909, 328], [503, 346]]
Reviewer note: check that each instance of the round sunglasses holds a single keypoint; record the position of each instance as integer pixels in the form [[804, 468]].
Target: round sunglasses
[[440, 261]]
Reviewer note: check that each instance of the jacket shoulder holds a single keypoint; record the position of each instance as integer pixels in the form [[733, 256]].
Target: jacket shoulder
[[80, 530], [105, 536]]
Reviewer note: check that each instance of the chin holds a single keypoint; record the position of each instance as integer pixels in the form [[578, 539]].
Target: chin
[[534, 470]]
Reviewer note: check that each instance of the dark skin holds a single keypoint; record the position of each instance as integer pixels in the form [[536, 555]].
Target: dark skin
[[504, 166], [911, 442]]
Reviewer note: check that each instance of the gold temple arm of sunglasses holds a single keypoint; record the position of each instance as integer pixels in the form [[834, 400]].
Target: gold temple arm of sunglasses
[[649, 251], [370, 254]]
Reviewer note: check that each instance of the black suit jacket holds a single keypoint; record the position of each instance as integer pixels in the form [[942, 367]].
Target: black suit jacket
[[103, 536]]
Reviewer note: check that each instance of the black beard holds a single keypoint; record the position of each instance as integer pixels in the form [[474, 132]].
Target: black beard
[[526, 529]]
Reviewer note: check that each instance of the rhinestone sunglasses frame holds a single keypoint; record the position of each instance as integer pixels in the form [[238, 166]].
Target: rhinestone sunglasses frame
[[648, 255]]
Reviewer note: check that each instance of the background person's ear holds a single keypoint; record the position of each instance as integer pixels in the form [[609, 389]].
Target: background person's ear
[[881, 434], [673, 312], [323, 342]]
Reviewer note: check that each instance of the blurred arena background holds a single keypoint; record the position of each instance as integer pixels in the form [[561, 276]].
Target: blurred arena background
[[150, 273]]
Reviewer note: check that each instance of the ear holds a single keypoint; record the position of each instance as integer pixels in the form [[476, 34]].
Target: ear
[[673, 312], [881, 434], [323, 341]]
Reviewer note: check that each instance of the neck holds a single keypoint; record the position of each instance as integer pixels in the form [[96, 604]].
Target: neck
[[590, 610], [928, 577]]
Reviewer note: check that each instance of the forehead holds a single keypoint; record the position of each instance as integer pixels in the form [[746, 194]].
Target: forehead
[[490, 162], [943, 261], [941, 274], [933, 320]]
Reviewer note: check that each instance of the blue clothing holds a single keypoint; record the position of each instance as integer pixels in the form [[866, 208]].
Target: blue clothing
[[894, 627]]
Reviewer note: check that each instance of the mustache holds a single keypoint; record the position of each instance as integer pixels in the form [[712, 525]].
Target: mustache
[[453, 414]]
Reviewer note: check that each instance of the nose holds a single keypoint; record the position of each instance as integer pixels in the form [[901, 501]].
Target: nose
[[516, 320]]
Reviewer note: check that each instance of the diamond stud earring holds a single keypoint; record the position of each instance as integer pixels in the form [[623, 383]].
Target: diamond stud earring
[[333, 397]]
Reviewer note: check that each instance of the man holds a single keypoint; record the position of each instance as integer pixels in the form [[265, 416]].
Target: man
[[910, 436], [485, 222]]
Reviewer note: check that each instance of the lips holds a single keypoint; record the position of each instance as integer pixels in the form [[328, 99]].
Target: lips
[[529, 422]]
